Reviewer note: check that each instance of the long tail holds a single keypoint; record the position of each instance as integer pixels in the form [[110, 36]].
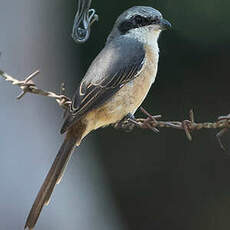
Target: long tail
[[53, 177]]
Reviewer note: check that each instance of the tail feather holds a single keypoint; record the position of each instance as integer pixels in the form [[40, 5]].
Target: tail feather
[[53, 177]]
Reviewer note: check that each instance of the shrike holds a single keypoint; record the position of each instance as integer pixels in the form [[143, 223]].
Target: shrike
[[114, 86]]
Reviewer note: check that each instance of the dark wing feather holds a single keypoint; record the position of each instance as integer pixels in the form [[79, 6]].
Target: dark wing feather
[[118, 63]]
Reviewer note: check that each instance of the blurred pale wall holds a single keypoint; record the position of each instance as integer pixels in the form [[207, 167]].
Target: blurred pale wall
[[122, 181], [36, 34]]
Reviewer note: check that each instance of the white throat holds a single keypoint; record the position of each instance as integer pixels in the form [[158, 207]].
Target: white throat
[[146, 35]]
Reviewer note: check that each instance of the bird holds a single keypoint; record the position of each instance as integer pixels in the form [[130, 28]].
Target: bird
[[114, 86]]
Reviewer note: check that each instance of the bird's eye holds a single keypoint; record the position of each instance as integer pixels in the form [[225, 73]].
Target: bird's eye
[[138, 20]]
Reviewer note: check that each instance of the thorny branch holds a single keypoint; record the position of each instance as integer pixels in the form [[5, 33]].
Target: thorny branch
[[150, 122]]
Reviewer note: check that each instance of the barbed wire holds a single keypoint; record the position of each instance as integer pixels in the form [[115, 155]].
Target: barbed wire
[[188, 126], [150, 122], [28, 86]]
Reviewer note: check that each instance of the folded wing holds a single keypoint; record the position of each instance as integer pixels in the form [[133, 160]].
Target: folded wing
[[117, 64]]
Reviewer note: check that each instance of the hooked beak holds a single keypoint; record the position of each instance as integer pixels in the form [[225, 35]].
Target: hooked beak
[[164, 24]]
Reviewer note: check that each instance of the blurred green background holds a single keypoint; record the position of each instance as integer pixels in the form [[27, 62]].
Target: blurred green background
[[117, 180]]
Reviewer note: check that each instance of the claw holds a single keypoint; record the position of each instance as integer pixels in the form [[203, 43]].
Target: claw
[[127, 123]]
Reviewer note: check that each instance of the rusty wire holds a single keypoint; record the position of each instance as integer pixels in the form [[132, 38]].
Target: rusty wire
[[150, 122]]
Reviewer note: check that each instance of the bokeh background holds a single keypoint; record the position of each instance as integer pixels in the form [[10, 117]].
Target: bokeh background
[[116, 180]]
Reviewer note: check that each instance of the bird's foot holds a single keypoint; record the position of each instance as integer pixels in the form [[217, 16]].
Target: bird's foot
[[128, 123]]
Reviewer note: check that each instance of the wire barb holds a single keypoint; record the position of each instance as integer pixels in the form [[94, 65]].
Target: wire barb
[[153, 123], [28, 86], [150, 122]]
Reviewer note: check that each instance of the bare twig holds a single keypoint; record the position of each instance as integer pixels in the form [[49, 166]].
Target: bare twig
[[150, 122]]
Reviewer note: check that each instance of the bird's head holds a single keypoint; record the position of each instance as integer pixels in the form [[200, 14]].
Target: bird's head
[[141, 22]]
